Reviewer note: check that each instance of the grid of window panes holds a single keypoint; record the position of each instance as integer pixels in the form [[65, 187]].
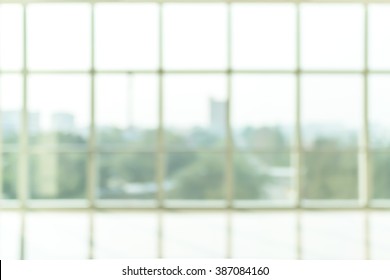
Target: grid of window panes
[[194, 105]]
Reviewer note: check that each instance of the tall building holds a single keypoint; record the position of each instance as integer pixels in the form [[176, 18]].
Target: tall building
[[218, 117]]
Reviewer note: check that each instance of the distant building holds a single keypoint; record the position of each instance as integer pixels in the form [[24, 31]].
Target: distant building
[[218, 117], [63, 122], [34, 122], [11, 122]]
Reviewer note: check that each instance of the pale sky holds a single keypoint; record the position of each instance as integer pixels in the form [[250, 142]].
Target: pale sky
[[332, 36], [115, 106], [194, 37], [49, 94]]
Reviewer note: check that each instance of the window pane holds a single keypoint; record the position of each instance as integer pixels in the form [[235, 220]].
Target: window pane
[[331, 111], [59, 109], [58, 36], [380, 163], [58, 176], [332, 44], [264, 36], [127, 176], [379, 98], [10, 108], [64, 235], [123, 236], [263, 111], [11, 37], [10, 225], [195, 36], [259, 235], [330, 175], [263, 177], [9, 164], [379, 41], [194, 235], [127, 111], [333, 236], [126, 36], [195, 111], [193, 176]]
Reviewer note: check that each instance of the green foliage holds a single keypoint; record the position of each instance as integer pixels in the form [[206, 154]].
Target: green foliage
[[203, 179], [266, 138], [381, 175], [176, 161], [10, 171], [249, 179], [72, 179], [329, 172], [55, 175], [117, 170]]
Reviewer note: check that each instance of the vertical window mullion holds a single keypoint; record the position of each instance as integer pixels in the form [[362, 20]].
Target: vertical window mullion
[[229, 139], [365, 193], [298, 152], [160, 139], [365, 188], [92, 140], [24, 145]]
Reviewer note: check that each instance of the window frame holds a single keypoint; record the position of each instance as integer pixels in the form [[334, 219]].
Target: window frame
[[91, 204]]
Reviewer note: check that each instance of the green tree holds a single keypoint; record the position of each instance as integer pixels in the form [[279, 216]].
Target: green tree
[[205, 179], [250, 178], [381, 175], [267, 138], [10, 169], [329, 172]]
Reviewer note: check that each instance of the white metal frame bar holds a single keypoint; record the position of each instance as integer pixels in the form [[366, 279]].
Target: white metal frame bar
[[363, 150]]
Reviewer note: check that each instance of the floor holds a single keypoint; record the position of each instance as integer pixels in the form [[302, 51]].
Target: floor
[[267, 235]]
